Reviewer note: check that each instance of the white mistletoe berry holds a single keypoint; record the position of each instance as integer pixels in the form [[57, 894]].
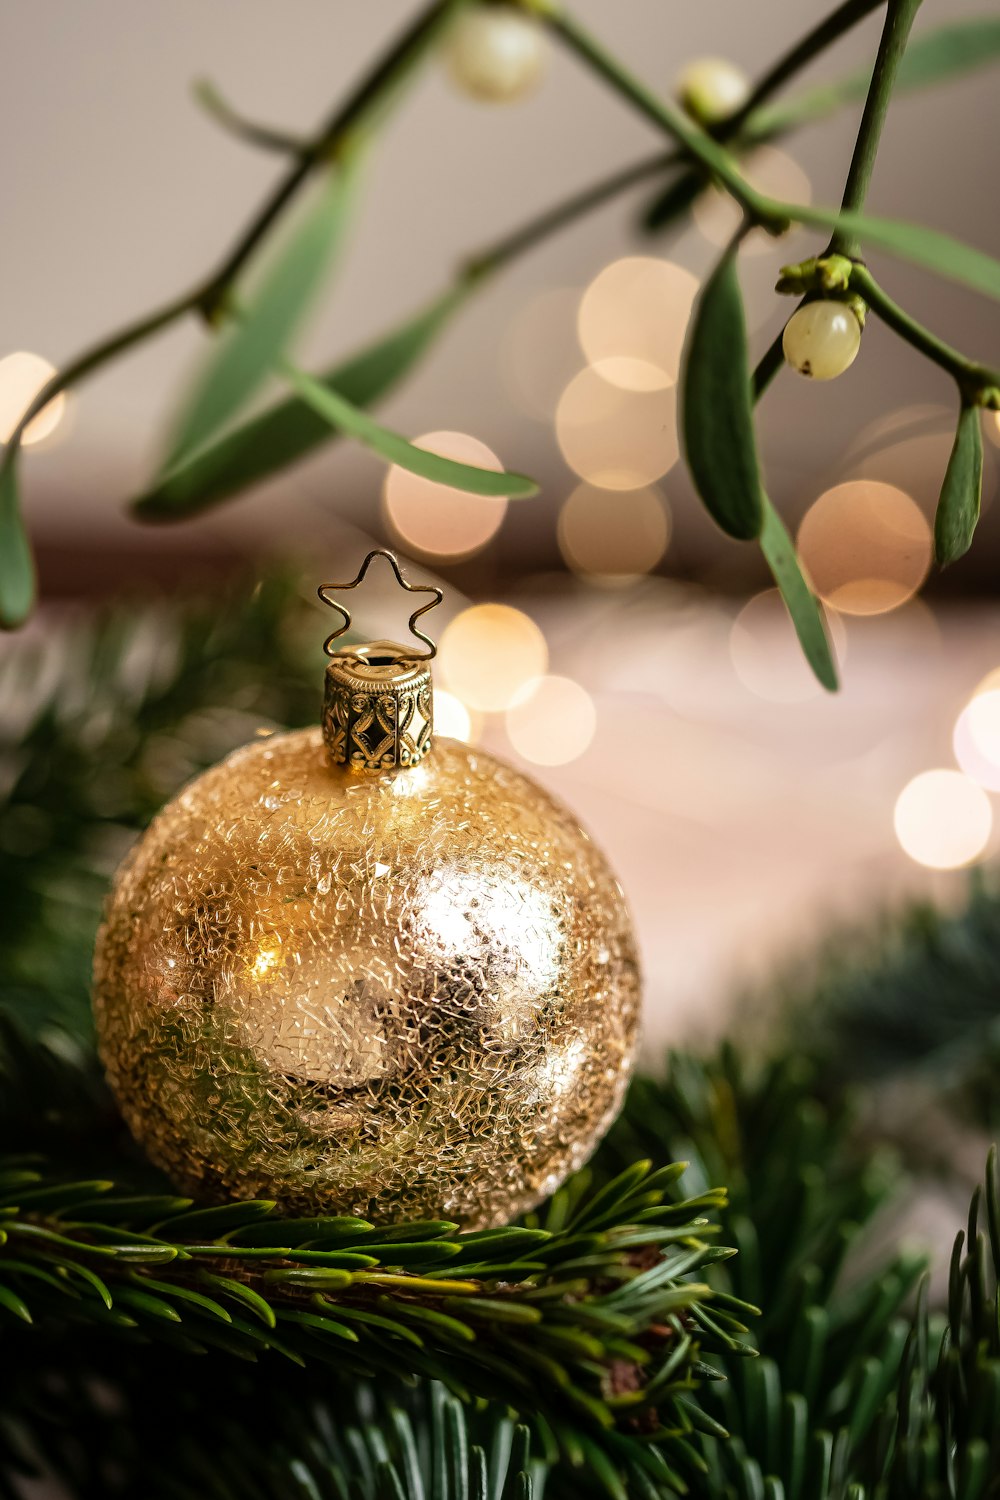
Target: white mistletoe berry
[[821, 340]]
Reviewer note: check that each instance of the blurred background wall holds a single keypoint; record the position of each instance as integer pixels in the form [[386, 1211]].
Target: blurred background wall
[[741, 805]]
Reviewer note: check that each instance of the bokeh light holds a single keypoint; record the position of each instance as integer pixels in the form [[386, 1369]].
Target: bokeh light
[[943, 819], [453, 719], [633, 319], [551, 721], [866, 546], [488, 654], [539, 352], [773, 173], [437, 519], [22, 376], [617, 439], [766, 653], [993, 427], [613, 539], [976, 739]]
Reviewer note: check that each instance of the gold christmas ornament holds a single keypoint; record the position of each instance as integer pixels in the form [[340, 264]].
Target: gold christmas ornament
[[360, 972]]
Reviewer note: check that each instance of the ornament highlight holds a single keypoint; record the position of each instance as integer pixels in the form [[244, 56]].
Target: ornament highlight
[[821, 340], [361, 970], [495, 53], [712, 88]]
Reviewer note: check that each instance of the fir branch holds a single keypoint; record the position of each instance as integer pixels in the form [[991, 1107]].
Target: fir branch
[[592, 1319]]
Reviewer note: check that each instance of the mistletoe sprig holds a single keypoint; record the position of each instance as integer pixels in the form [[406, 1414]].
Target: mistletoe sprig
[[213, 451]]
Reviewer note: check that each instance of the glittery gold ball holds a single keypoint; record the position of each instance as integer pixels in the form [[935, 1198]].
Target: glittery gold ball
[[412, 993]]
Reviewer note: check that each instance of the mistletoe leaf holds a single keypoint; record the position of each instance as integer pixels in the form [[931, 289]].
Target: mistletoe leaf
[[800, 601], [717, 417], [289, 430], [17, 567], [395, 449], [246, 352], [933, 57], [961, 493], [929, 248], [672, 201]]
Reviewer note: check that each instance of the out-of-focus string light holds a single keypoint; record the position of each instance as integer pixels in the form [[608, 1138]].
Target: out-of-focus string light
[[616, 439], [766, 654], [773, 173], [551, 721], [437, 519], [976, 740], [866, 547], [22, 376], [613, 539], [488, 653], [943, 819], [632, 321], [453, 719]]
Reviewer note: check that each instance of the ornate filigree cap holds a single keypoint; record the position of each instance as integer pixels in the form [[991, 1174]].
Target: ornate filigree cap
[[378, 703]]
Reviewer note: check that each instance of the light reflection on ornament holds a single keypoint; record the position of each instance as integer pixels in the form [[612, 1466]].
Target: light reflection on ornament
[[552, 721], [438, 519], [22, 376], [617, 439], [612, 540], [943, 819], [633, 319], [488, 653], [773, 173], [866, 547], [766, 653]]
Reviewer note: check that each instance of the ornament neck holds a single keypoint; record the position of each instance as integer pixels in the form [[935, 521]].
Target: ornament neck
[[377, 707]]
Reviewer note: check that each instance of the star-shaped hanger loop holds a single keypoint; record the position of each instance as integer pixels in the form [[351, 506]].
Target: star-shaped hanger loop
[[325, 590]]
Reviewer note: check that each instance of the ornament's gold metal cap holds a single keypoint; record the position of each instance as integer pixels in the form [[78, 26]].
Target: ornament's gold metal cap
[[378, 702]]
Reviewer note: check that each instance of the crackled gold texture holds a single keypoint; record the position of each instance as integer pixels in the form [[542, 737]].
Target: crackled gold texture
[[412, 992]]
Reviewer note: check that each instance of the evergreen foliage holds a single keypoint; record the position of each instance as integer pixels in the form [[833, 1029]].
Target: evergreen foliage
[[606, 1345]]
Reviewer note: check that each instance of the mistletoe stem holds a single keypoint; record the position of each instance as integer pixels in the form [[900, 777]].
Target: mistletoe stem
[[811, 45], [533, 232], [697, 143], [974, 379], [900, 15], [208, 296]]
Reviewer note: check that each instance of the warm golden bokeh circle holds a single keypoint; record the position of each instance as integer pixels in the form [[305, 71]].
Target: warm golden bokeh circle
[[614, 438], [613, 538], [488, 653], [866, 547], [633, 320], [943, 819], [437, 519], [22, 376], [551, 721]]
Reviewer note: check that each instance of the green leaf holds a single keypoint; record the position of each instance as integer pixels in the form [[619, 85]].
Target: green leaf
[[672, 201], [247, 351], [395, 449], [12, 1303], [962, 490], [929, 248], [288, 431], [17, 567], [717, 411], [932, 57], [800, 601]]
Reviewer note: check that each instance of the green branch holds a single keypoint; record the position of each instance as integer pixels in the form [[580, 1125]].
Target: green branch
[[900, 15], [697, 143], [829, 30]]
